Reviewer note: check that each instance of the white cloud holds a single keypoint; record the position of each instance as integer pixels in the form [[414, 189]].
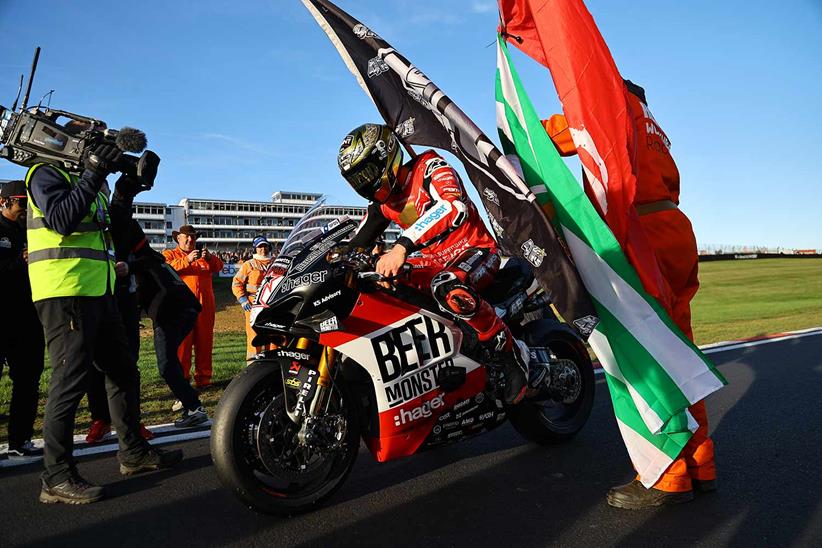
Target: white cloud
[[483, 7]]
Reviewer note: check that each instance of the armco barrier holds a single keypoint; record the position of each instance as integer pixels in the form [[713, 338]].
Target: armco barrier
[[748, 256]]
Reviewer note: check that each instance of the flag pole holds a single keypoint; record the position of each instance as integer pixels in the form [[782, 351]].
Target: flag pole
[[407, 148]]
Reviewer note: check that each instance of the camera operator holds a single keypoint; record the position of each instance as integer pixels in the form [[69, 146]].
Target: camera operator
[[72, 272], [21, 335], [166, 299]]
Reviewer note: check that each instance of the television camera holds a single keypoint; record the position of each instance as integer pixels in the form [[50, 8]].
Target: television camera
[[58, 137]]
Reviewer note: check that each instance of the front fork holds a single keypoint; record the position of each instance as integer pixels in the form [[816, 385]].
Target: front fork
[[315, 401]]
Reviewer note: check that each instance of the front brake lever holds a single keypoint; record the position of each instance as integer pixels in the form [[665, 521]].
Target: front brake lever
[[370, 276], [375, 277]]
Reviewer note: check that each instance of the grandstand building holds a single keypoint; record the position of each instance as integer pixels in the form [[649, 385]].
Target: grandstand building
[[230, 225], [158, 220]]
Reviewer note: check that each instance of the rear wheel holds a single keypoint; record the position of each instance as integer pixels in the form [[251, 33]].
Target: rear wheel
[[257, 451], [560, 417]]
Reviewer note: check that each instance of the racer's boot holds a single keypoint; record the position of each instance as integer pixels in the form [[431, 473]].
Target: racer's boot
[[511, 355]]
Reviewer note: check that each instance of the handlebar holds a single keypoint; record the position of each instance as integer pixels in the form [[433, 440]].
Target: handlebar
[[372, 276]]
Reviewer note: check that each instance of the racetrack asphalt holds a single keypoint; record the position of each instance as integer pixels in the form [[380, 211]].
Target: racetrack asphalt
[[494, 490]]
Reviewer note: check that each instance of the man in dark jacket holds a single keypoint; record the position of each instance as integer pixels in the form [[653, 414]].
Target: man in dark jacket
[[164, 297], [21, 335]]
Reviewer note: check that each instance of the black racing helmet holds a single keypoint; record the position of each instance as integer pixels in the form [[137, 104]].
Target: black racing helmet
[[370, 158]]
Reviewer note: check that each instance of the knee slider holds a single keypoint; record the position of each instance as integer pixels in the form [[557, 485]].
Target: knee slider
[[455, 297]]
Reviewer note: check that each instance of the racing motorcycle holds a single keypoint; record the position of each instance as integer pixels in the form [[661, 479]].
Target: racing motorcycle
[[354, 360]]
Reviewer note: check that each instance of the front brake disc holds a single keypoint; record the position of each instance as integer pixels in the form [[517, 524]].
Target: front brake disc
[[280, 450]]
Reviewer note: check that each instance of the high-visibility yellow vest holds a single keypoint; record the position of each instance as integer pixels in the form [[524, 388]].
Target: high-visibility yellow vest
[[78, 265]]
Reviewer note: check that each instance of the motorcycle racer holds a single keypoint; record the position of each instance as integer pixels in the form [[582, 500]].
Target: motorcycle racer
[[457, 255]]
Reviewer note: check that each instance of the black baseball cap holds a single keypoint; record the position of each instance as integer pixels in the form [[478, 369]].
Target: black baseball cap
[[13, 189]]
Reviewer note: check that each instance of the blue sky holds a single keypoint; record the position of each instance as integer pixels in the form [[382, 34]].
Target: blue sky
[[242, 99]]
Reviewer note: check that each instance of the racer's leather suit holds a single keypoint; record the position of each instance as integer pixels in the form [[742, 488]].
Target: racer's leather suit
[[457, 255]]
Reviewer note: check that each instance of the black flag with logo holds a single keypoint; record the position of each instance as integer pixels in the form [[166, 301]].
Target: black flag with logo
[[421, 114]]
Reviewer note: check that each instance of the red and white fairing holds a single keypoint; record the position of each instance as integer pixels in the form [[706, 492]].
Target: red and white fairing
[[403, 347]]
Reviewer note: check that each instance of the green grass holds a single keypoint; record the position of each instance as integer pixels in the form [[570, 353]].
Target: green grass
[[737, 299]]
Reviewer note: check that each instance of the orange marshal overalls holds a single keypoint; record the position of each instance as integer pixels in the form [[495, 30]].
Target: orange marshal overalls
[[197, 276], [247, 283], [670, 233]]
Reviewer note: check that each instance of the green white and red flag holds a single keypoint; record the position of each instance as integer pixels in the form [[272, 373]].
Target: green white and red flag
[[562, 36], [654, 372]]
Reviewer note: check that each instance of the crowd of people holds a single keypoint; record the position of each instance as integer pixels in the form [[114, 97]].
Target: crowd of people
[[240, 256]]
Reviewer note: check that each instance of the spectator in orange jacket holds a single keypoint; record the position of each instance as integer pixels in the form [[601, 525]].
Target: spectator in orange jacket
[[670, 233], [196, 267], [245, 285]]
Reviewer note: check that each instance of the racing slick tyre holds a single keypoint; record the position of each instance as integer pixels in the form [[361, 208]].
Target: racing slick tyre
[[559, 418], [256, 451]]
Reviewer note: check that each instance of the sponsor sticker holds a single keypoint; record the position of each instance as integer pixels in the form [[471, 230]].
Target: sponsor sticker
[[330, 324], [461, 404], [293, 354], [306, 279], [328, 297], [486, 416], [425, 410], [466, 412], [410, 356], [323, 247]]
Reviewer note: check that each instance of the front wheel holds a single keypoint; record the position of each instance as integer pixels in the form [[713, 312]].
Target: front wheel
[[559, 418], [258, 453]]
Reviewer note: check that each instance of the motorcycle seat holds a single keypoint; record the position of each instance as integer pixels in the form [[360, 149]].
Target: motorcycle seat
[[512, 278]]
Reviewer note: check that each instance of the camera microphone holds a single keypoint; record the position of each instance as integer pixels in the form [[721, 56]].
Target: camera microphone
[[129, 139]]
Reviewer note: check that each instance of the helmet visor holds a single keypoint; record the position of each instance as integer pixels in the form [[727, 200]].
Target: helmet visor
[[365, 180]]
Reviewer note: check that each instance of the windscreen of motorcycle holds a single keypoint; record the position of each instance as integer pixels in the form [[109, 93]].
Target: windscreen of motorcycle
[[302, 286]]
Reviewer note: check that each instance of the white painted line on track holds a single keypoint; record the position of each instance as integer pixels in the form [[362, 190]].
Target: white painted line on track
[[110, 444], [715, 348], [733, 345], [161, 429]]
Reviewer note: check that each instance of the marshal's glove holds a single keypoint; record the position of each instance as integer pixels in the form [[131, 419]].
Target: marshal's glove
[[104, 159], [244, 303]]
